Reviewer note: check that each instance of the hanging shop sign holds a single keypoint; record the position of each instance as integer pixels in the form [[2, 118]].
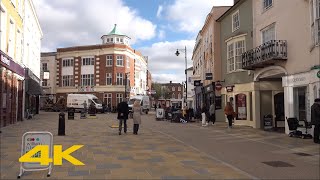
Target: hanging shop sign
[[46, 75], [218, 86], [318, 74], [208, 76], [197, 83], [229, 88]]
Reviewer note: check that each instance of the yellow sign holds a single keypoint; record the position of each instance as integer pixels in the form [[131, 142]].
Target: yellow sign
[[40, 154]]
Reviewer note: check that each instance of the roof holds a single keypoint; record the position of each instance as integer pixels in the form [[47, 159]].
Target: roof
[[43, 54], [236, 4], [115, 31]]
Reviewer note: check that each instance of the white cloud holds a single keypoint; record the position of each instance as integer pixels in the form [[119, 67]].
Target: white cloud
[[189, 15], [159, 11], [162, 34], [81, 22], [164, 65]]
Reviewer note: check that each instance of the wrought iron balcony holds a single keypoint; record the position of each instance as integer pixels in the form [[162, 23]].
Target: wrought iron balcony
[[265, 55]]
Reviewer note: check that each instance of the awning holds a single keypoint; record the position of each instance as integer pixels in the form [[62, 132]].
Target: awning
[[32, 87]]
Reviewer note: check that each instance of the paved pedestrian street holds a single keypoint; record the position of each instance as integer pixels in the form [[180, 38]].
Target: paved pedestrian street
[[162, 150]]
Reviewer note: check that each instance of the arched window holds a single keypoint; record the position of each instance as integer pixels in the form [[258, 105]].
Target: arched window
[[173, 96]]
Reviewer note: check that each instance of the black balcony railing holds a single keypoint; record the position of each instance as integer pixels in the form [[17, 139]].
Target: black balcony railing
[[265, 54]]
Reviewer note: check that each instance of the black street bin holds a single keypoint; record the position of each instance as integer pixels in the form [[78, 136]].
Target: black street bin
[[71, 112], [61, 126], [268, 122]]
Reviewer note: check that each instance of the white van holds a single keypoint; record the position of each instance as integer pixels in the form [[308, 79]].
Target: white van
[[144, 102], [77, 100]]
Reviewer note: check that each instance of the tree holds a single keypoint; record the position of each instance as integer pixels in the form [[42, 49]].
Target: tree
[[162, 92]]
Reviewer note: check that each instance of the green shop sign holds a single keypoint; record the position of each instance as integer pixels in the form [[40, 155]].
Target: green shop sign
[[318, 74]]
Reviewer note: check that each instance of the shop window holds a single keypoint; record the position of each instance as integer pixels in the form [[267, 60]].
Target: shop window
[[241, 106], [300, 103]]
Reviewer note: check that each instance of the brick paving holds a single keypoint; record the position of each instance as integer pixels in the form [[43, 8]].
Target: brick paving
[[150, 155]]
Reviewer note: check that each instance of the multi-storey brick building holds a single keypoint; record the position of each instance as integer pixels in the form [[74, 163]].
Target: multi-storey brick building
[[103, 70], [171, 95]]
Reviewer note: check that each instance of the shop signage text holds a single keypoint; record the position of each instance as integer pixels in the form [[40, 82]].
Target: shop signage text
[[5, 60]]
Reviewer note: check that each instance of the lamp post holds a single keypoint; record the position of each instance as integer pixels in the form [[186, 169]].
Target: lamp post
[[125, 84], [185, 53]]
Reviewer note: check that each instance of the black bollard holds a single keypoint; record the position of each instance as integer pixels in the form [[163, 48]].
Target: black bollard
[[61, 130]]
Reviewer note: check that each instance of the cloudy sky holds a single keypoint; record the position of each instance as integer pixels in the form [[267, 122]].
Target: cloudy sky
[[157, 27]]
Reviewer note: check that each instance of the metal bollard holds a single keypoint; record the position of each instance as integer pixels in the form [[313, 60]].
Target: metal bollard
[[61, 130]]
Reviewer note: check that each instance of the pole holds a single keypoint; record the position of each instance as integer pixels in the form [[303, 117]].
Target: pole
[[185, 49], [125, 86]]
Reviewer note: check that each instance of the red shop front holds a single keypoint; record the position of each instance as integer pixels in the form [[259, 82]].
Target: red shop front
[[11, 90]]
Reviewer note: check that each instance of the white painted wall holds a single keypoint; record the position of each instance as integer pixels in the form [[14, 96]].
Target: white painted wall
[[32, 39]]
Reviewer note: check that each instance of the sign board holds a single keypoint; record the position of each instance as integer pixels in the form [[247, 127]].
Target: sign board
[[46, 75], [86, 89], [267, 119], [31, 140], [218, 86], [208, 76], [318, 74], [197, 83], [229, 88]]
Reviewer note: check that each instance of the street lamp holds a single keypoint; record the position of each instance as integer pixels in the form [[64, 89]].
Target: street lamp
[[185, 53], [125, 84]]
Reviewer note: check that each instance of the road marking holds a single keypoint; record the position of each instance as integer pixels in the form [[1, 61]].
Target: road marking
[[210, 156]]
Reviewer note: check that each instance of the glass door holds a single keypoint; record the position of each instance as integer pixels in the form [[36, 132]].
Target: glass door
[[300, 94]]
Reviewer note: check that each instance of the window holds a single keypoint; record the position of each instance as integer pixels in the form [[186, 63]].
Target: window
[[67, 80], [107, 98], [67, 62], [18, 46], [44, 67], [235, 50], [44, 82], [315, 21], [235, 21], [173, 96], [118, 39], [128, 62], [11, 39], [88, 61], [119, 60], [108, 39], [119, 97], [119, 79], [111, 39], [121, 40], [179, 88], [268, 33], [173, 88], [267, 4], [109, 79], [3, 29], [109, 60], [87, 79]]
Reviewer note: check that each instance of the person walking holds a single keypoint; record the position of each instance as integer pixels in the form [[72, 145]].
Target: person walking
[[123, 111], [137, 112], [315, 120], [203, 115], [229, 112], [212, 117]]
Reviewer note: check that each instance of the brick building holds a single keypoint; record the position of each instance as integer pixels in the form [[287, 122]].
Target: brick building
[[171, 95], [103, 70]]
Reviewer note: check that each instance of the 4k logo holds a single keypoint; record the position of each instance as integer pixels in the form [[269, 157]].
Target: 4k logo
[[40, 154]]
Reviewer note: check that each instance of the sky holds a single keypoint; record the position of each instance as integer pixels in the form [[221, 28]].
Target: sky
[[157, 28]]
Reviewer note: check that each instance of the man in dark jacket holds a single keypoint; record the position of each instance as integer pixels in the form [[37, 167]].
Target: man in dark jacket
[[123, 111], [315, 119]]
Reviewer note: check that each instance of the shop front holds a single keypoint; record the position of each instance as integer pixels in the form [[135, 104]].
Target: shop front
[[240, 96], [11, 90], [198, 97], [300, 91], [209, 94], [33, 92]]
